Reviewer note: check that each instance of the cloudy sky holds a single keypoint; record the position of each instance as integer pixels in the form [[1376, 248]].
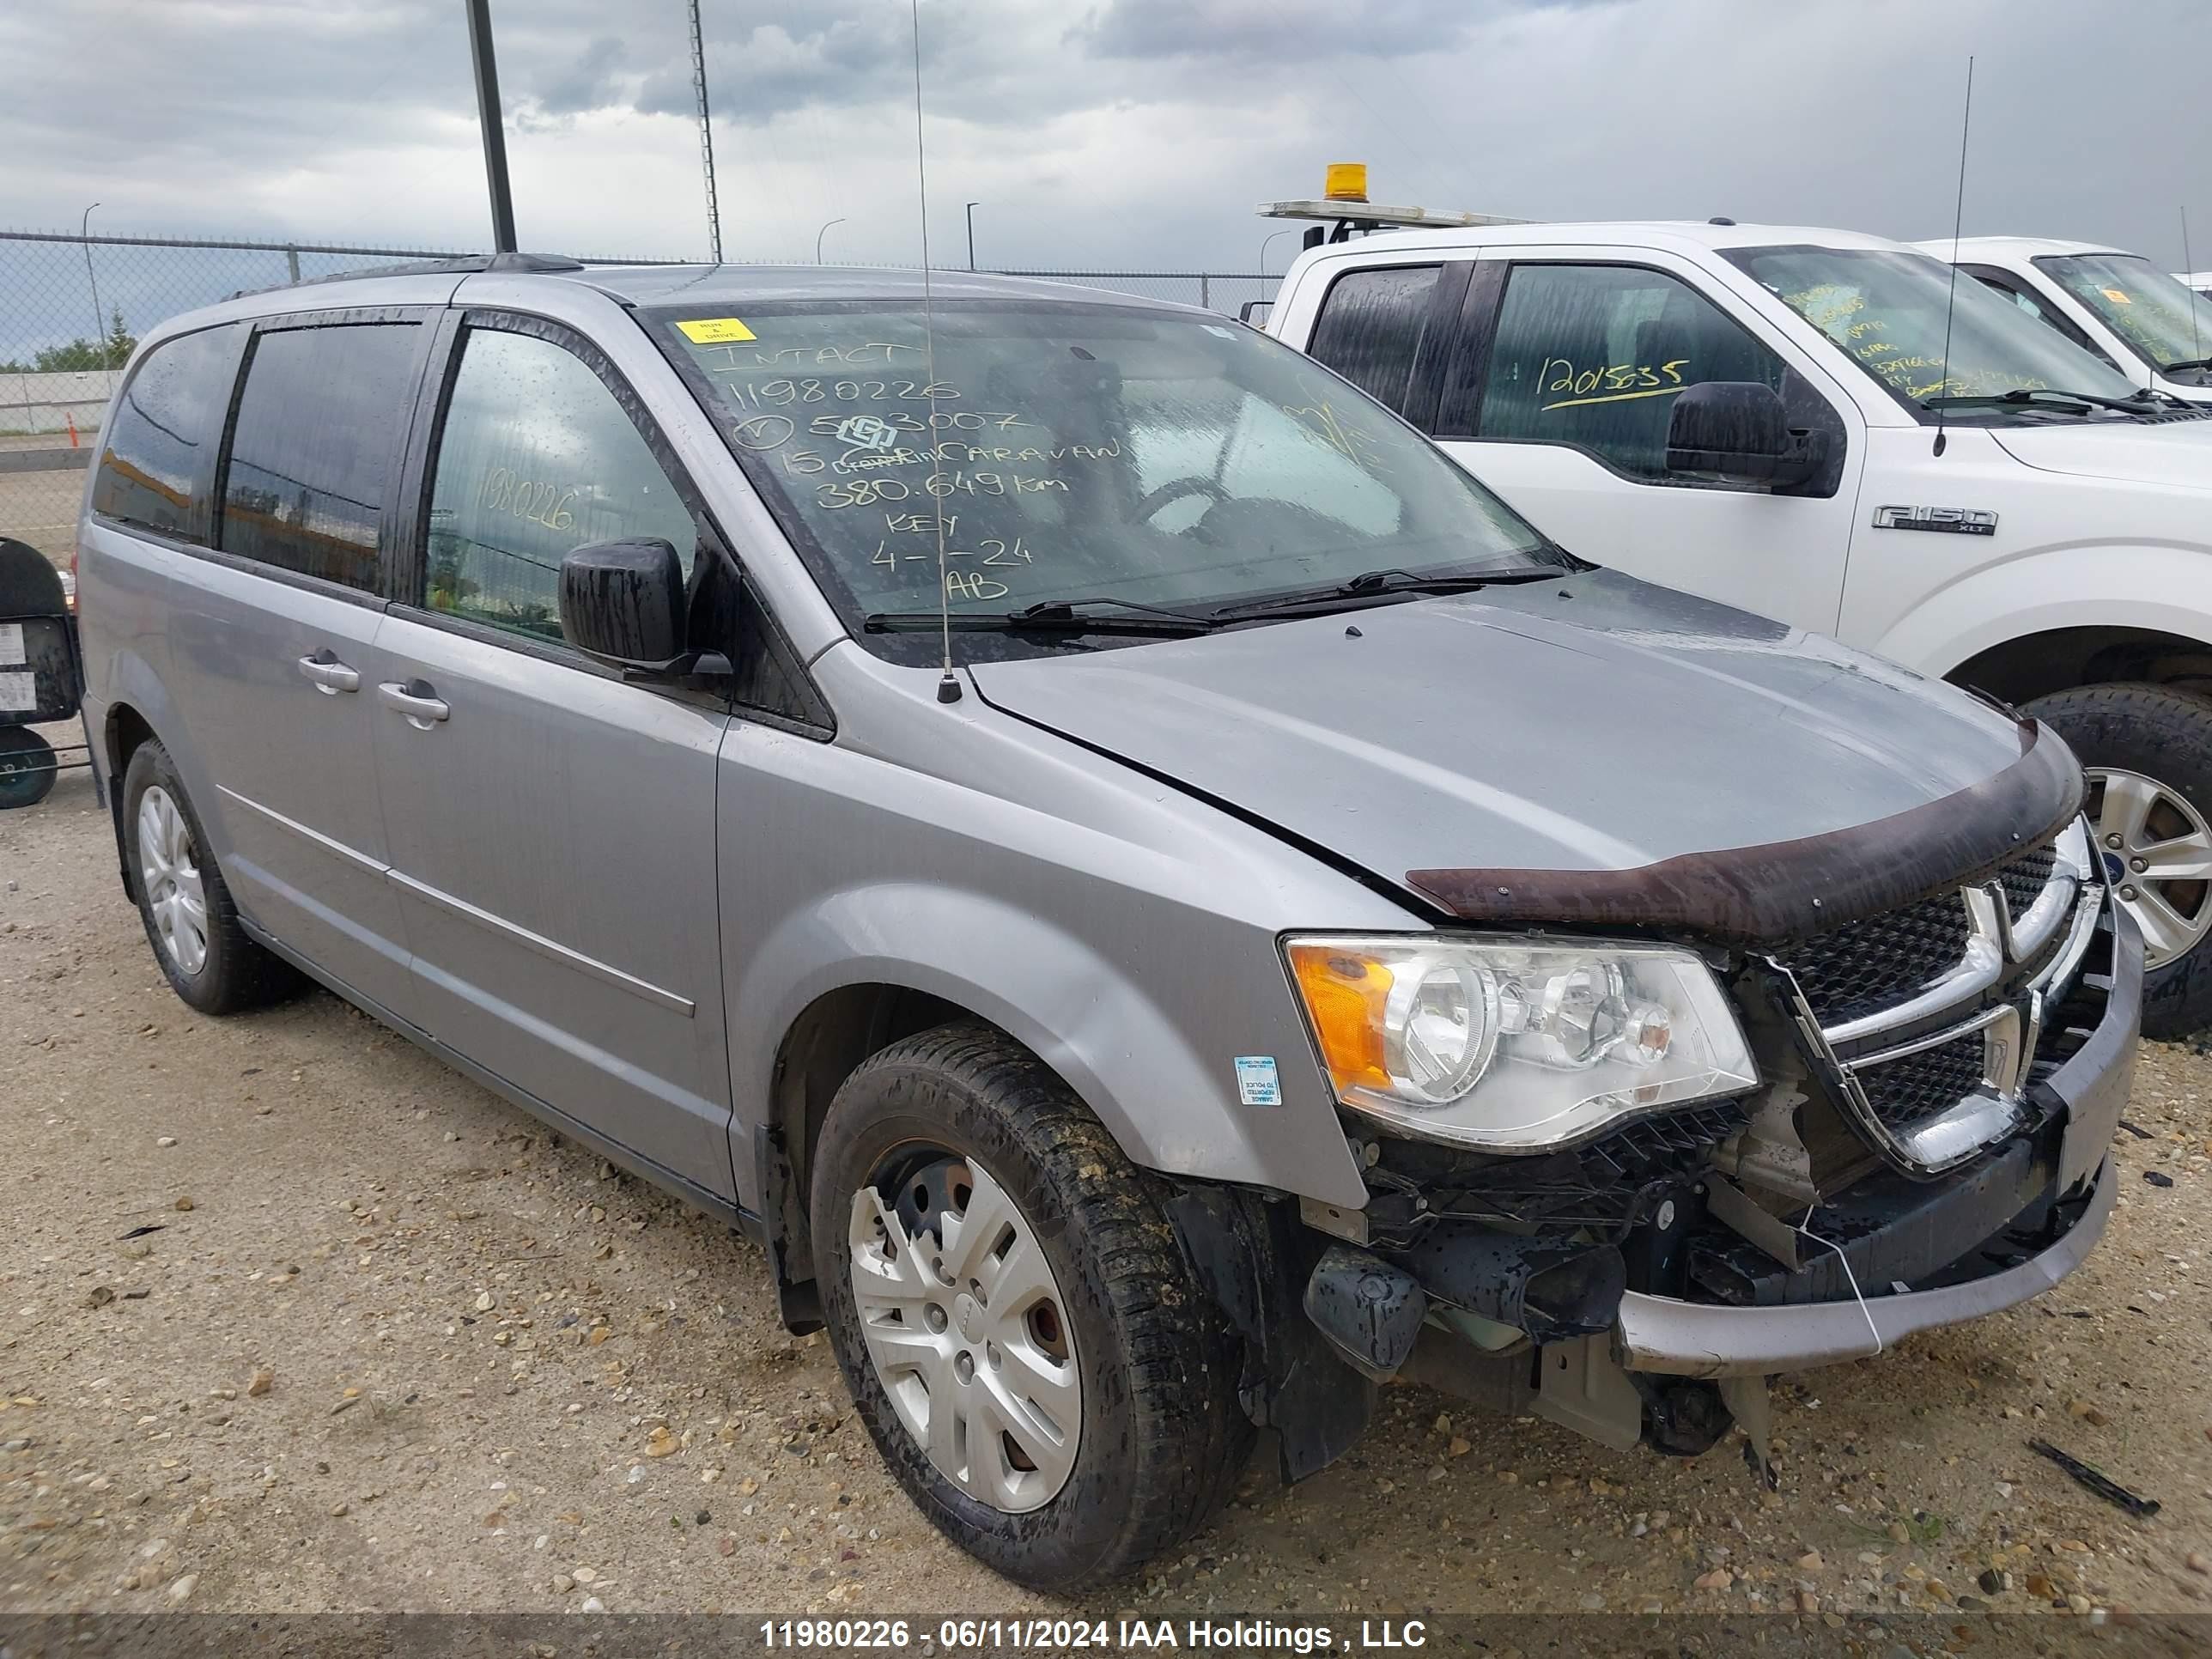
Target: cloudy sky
[[1119, 133]]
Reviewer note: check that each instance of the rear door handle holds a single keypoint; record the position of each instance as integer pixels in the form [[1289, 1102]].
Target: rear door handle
[[415, 700], [329, 675]]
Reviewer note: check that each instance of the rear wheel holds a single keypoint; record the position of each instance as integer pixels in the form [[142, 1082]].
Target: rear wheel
[[27, 768], [1012, 1316], [183, 899], [2147, 751]]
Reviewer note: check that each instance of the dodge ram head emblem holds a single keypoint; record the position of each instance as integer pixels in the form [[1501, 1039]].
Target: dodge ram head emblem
[[1956, 520]]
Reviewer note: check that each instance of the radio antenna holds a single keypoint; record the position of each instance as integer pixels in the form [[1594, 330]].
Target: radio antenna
[[2188, 280], [1958, 222], [948, 686]]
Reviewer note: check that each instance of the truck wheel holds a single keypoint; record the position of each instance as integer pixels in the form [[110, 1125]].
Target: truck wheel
[[27, 768], [1012, 1316], [2147, 751], [184, 900]]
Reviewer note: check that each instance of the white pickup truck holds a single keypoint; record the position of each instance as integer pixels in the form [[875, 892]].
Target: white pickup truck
[[1800, 423], [2143, 321]]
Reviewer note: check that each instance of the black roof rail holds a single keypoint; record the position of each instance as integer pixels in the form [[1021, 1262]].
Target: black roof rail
[[466, 264]]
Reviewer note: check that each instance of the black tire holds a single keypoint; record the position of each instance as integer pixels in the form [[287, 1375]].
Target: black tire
[[237, 974], [27, 768], [1162, 1437], [2165, 735]]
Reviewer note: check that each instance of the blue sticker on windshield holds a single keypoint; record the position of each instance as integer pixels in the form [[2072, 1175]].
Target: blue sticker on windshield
[[1257, 1083]]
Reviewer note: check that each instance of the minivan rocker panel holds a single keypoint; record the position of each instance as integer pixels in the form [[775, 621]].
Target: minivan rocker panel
[[1290, 926]]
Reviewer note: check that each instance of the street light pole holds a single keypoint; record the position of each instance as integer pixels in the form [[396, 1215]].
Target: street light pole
[[1267, 243], [99, 316], [972, 206], [488, 118], [818, 235]]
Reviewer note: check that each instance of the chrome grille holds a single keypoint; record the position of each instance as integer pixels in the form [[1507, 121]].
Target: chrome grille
[[2026, 876], [1870, 965], [1925, 1021], [1906, 1092]]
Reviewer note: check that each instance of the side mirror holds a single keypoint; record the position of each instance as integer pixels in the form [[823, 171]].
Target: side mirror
[[1253, 314], [1738, 430], [622, 601]]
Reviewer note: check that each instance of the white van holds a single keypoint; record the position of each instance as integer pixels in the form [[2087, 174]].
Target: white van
[[1797, 422], [2153, 327]]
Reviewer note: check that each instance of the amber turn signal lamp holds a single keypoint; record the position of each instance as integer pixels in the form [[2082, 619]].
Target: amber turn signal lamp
[[1344, 997]]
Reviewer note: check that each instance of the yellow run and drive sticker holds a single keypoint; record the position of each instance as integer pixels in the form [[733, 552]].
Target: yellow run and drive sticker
[[715, 331]]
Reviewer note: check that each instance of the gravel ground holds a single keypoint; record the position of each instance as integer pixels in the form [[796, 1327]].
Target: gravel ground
[[296, 1319]]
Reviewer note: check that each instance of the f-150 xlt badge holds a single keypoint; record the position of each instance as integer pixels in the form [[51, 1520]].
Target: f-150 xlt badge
[[1958, 521]]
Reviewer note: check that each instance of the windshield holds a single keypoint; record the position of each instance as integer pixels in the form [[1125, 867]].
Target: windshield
[[1070, 451], [1886, 311], [2159, 317]]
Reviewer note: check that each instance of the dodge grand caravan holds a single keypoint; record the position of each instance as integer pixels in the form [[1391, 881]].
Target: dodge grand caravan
[[1160, 901]]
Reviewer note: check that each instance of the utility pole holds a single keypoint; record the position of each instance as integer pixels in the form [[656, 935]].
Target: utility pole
[[99, 316], [488, 118], [706, 134], [972, 206]]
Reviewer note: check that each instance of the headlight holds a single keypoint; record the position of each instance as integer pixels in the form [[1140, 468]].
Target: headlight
[[1512, 1045]]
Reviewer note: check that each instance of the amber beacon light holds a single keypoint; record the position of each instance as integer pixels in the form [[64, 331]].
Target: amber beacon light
[[1346, 182]]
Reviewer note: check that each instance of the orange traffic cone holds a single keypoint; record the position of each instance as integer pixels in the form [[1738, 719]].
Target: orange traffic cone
[[71, 419]]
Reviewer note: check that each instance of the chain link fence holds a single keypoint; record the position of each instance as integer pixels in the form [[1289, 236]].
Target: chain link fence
[[72, 306]]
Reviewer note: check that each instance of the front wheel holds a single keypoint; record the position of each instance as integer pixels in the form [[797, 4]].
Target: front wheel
[[2148, 752], [1012, 1316]]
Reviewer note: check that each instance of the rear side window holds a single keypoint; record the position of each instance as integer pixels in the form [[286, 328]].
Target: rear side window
[[1594, 356], [538, 459], [316, 442], [165, 428], [1370, 326]]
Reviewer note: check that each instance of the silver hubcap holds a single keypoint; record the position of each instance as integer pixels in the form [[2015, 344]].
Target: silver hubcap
[[968, 1333], [170, 873], [2158, 850]]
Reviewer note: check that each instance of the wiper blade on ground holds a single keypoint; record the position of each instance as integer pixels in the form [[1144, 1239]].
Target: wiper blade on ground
[[1381, 584], [1051, 617], [2034, 397]]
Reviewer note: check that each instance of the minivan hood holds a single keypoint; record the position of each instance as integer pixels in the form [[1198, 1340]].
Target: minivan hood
[[2178, 453], [1590, 723]]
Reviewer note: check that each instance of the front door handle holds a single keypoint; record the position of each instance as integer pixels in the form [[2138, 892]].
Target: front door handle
[[329, 675], [415, 700]]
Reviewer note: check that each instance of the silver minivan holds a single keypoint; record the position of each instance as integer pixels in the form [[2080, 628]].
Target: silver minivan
[[1160, 901]]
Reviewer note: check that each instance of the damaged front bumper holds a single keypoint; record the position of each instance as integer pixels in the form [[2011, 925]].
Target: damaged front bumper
[[1894, 1256], [2080, 1102], [1690, 1339]]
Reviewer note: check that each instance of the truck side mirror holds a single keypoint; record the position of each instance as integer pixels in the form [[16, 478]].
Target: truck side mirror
[[1739, 431], [623, 603]]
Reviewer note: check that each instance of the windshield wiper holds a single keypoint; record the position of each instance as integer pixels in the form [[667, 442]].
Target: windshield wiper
[[2026, 396], [1381, 584], [2188, 362], [1049, 616]]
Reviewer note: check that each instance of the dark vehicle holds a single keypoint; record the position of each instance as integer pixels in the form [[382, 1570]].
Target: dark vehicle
[[40, 680]]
